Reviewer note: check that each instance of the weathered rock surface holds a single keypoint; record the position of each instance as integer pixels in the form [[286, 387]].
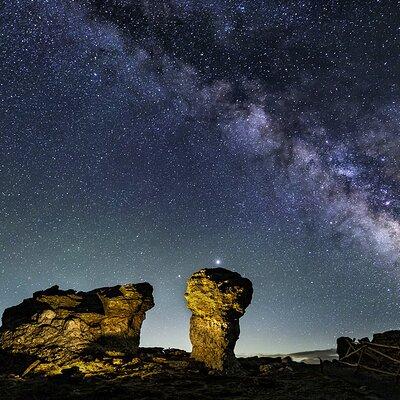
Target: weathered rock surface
[[58, 325], [217, 298]]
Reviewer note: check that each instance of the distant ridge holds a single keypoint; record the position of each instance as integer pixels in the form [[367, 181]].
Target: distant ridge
[[309, 357]]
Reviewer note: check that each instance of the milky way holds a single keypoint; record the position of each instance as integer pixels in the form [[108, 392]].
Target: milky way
[[142, 141]]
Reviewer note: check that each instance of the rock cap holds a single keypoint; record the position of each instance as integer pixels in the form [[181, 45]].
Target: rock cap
[[218, 291]]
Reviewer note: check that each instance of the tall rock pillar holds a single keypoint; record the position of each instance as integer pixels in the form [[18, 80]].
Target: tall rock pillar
[[217, 298]]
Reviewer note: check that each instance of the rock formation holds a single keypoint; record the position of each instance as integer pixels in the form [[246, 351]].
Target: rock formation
[[217, 298], [58, 325], [388, 338], [346, 345], [343, 346], [381, 354]]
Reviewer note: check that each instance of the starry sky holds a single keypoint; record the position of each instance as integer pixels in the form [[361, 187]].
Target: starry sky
[[143, 140]]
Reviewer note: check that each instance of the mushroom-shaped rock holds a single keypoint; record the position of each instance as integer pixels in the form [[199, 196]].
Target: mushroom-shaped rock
[[217, 298], [58, 325]]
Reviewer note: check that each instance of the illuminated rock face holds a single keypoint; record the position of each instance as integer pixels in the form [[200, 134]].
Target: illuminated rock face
[[217, 298], [57, 325]]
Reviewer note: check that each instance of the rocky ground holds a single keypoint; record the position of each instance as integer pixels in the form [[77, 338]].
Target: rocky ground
[[155, 373]]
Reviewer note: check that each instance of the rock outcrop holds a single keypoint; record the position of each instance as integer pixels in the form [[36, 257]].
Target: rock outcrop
[[59, 325], [217, 298], [381, 354], [346, 345], [388, 338]]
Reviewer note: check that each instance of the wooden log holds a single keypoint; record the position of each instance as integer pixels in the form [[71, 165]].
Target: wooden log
[[353, 352], [383, 345], [385, 356], [368, 368]]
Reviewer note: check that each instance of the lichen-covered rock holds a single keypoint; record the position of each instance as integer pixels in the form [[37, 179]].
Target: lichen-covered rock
[[58, 325], [217, 298]]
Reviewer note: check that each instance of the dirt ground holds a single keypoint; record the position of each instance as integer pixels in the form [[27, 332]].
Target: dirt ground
[[162, 374]]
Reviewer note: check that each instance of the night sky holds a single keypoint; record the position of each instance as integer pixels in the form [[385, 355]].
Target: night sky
[[144, 140]]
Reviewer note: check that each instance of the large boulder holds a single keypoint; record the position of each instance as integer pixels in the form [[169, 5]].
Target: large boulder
[[343, 346], [59, 325], [217, 298]]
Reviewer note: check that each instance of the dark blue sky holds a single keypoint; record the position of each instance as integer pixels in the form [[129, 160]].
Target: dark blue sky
[[144, 141]]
